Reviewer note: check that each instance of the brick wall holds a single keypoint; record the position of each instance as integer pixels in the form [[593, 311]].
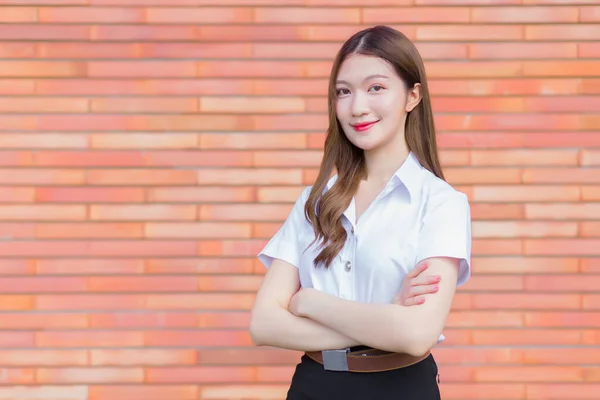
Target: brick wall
[[150, 147]]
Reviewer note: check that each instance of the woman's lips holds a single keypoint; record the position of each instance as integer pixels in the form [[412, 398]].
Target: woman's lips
[[363, 127]]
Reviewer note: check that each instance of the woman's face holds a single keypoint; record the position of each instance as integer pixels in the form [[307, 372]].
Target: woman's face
[[372, 101]]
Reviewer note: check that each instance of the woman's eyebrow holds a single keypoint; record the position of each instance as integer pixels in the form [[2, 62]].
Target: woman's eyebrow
[[367, 78]]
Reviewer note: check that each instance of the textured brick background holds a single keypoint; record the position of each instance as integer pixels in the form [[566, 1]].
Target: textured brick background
[[149, 148]]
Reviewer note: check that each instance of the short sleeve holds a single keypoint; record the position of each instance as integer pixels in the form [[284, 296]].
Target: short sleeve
[[285, 244], [446, 232]]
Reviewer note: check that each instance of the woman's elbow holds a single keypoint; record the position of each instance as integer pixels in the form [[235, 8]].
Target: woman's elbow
[[421, 343], [256, 329]]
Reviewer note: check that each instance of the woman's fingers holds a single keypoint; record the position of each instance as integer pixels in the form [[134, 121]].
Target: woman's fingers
[[414, 301], [423, 289], [425, 280], [416, 271]]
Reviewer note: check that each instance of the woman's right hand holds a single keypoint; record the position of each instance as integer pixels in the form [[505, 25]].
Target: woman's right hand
[[415, 285]]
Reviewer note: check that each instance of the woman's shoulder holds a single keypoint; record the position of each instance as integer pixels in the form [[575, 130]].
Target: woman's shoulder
[[437, 191]]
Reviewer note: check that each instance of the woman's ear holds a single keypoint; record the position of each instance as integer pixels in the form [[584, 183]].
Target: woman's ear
[[413, 97]]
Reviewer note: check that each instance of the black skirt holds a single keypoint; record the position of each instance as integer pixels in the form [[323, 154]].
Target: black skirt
[[415, 382]]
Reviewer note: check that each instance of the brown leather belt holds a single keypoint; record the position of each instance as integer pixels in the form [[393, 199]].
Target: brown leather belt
[[365, 359]]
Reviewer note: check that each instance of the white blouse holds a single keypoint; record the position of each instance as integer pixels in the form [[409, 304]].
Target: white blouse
[[416, 216]]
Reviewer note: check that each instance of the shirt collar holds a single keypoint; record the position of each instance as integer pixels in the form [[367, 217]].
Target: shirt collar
[[409, 174]]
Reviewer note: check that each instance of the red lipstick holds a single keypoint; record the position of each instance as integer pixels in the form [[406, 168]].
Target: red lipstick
[[363, 126]]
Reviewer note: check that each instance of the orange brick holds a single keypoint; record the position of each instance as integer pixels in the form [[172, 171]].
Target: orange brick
[[42, 176], [203, 15], [18, 14], [550, 283], [525, 265], [97, 266], [142, 212], [39, 69], [18, 267], [65, 339], [262, 176], [520, 337], [89, 15], [457, 104], [252, 105], [43, 357], [16, 86], [523, 14], [532, 301], [510, 229], [197, 230], [226, 392], [45, 321], [45, 140], [306, 15], [150, 320], [147, 392], [522, 51], [195, 50], [43, 284], [141, 284], [248, 356], [15, 339], [589, 14], [272, 194], [562, 211], [557, 391], [306, 86], [253, 141], [144, 105], [138, 69], [203, 265], [254, 33], [288, 158], [565, 320], [89, 375], [529, 374], [197, 338], [580, 247], [77, 392], [386, 15], [472, 319], [497, 211], [461, 176], [44, 32], [488, 32], [522, 193], [293, 50], [16, 302], [140, 177], [86, 50], [227, 320], [200, 374], [229, 284], [88, 195], [17, 50], [247, 212], [201, 194], [144, 141], [562, 32], [88, 302], [556, 175], [42, 212]]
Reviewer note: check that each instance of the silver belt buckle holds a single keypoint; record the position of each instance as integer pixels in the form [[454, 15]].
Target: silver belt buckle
[[335, 360]]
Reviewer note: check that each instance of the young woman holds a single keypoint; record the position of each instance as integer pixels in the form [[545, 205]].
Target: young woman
[[345, 281]]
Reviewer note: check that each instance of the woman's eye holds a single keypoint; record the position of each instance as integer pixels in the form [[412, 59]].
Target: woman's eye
[[377, 88], [342, 92]]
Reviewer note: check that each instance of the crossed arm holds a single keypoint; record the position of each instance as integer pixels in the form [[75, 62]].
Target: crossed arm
[[308, 319]]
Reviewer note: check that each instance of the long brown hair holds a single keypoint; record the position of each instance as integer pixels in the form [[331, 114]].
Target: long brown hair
[[324, 210]]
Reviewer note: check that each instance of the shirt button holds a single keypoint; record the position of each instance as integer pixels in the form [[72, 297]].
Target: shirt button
[[352, 230], [348, 266]]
